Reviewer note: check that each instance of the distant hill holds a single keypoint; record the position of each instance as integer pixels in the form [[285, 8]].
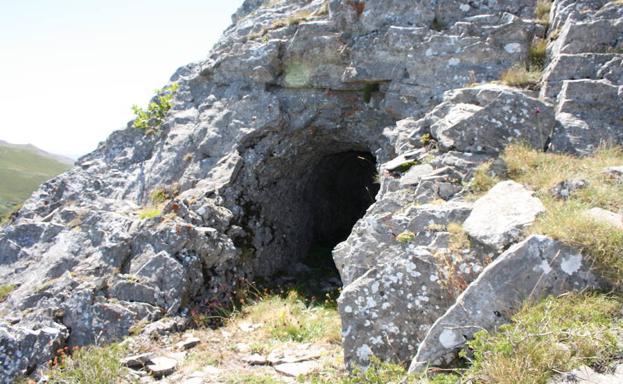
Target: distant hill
[[22, 169]]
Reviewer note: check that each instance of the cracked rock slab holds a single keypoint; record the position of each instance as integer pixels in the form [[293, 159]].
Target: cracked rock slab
[[531, 270], [498, 218]]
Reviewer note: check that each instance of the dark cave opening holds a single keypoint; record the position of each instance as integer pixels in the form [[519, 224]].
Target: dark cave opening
[[338, 190]]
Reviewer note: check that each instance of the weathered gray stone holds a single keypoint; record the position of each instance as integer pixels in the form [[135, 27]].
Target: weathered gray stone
[[586, 375], [565, 188], [161, 366], [486, 118], [530, 270], [499, 217], [607, 217], [589, 114]]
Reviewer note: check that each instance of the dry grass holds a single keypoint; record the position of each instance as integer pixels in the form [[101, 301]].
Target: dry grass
[[521, 77], [542, 10], [482, 181], [566, 220], [556, 335], [537, 54]]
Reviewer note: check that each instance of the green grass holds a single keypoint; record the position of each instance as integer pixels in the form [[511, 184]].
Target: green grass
[[22, 170], [405, 237], [290, 318], [566, 220], [5, 291], [97, 365], [251, 379], [556, 335], [149, 213]]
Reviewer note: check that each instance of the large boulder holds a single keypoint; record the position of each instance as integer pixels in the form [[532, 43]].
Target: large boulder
[[528, 271], [589, 114], [484, 119], [500, 216]]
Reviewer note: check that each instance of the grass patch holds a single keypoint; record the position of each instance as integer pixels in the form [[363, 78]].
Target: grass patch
[[537, 54], [405, 237], [149, 213], [289, 318], [542, 10], [522, 77], [556, 335], [5, 291], [22, 170], [482, 181], [252, 379], [89, 365], [566, 220]]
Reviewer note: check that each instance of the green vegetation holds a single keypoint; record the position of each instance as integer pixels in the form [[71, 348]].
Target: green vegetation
[[89, 365], [529, 74], [404, 167], [22, 169], [290, 318], [482, 181], [150, 119], [556, 335], [566, 220], [5, 291], [537, 54], [149, 213], [368, 90], [252, 379], [405, 237]]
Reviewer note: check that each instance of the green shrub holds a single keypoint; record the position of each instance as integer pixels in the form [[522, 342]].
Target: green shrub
[[150, 119]]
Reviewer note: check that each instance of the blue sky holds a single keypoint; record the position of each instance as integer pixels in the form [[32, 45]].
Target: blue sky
[[70, 70]]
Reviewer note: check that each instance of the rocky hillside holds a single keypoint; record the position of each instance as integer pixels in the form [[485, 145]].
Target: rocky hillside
[[22, 169], [433, 146]]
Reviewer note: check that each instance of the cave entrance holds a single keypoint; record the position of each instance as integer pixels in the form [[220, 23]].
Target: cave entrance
[[338, 189]]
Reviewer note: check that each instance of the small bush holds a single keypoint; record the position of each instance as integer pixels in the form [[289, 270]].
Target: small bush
[[150, 119], [159, 195], [90, 365], [556, 335], [405, 237]]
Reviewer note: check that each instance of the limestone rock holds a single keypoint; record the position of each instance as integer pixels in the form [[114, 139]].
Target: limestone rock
[[530, 270], [486, 118], [161, 366], [604, 216], [498, 218], [589, 114], [586, 375]]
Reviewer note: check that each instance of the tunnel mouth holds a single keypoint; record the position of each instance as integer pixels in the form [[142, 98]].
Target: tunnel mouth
[[322, 199]]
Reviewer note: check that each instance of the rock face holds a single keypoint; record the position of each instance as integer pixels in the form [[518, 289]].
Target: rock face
[[272, 146], [530, 270], [499, 217]]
